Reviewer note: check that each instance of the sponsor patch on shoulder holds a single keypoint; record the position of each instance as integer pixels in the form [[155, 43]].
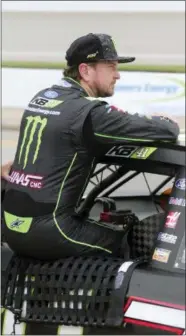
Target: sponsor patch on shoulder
[[51, 94]]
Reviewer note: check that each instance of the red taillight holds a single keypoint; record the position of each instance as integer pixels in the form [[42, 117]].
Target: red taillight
[[105, 217]]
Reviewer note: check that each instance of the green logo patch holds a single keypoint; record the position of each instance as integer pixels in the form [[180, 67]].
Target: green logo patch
[[16, 223], [143, 152]]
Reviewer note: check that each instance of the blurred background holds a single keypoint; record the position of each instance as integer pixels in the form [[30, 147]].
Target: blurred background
[[36, 34]]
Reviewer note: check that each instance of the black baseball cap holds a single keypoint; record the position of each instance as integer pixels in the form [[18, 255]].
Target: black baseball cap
[[94, 48]]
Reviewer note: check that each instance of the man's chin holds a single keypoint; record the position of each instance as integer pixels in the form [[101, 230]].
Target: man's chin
[[107, 94]]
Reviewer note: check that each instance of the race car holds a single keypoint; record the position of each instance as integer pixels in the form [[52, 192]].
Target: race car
[[97, 295]]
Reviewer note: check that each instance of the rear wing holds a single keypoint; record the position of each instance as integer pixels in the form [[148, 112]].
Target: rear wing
[[153, 154]]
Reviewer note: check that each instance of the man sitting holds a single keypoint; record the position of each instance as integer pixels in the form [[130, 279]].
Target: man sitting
[[63, 130]]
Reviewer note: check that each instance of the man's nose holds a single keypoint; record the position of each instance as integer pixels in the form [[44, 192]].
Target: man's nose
[[118, 75]]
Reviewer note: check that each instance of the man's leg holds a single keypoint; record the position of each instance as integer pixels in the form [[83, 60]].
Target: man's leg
[[88, 237], [70, 237]]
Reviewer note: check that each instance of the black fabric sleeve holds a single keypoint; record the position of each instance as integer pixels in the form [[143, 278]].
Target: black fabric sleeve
[[114, 125]]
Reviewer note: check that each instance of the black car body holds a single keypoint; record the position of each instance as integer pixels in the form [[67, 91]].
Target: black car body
[[97, 295]]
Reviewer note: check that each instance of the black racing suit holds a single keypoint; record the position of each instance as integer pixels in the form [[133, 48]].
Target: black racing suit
[[61, 133]]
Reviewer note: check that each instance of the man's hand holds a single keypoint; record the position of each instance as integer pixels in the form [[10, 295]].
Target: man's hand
[[5, 169], [164, 118]]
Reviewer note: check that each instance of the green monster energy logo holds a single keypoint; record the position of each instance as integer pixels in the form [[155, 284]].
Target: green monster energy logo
[[31, 126]]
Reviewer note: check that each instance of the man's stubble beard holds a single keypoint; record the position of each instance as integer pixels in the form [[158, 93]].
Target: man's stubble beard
[[104, 94]]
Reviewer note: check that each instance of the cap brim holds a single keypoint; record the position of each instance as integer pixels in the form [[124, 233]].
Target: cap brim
[[126, 59]]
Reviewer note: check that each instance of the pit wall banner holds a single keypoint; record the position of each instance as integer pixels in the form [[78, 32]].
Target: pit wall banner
[[152, 93], [143, 92]]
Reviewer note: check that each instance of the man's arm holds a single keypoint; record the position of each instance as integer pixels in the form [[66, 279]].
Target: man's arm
[[114, 125]]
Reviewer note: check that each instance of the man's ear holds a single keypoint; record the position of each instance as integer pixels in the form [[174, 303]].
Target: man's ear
[[84, 70]]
